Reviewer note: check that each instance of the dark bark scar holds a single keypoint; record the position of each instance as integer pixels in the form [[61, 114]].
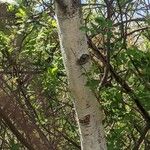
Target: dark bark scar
[[62, 5], [85, 120], [84, 58]]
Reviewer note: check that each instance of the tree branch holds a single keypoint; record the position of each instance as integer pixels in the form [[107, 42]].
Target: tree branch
[[123, 84], [140, 140], [15, 131]]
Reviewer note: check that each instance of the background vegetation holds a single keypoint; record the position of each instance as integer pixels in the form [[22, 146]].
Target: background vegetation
[[33, 85]]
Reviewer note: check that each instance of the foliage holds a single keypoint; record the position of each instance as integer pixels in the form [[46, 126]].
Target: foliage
[[31, 70]]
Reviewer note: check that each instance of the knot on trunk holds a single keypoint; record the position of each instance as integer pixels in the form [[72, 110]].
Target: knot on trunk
[[85, 120], [84, 58]]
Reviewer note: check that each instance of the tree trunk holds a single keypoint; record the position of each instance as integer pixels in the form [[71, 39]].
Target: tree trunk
[[76, 60], [27, 132]]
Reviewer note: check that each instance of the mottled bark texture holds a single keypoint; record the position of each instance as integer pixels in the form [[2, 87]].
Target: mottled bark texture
[[77, 62]]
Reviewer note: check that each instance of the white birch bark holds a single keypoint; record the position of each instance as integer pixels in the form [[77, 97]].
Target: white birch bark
[[74, 50]]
